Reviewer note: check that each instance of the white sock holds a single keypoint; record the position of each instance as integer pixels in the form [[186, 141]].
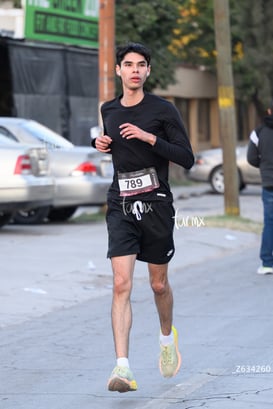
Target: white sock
[[123, 362], [166, 339]]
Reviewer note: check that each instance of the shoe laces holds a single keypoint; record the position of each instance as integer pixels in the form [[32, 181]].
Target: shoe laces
[[123, 372], [167, 354]]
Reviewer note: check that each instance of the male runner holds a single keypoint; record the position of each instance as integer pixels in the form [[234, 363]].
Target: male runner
[[143, 132]]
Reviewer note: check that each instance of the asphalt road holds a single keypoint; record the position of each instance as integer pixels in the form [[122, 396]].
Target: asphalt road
[[56, 348]]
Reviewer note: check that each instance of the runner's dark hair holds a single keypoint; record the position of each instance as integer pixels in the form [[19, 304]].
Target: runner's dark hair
[[132, 48]]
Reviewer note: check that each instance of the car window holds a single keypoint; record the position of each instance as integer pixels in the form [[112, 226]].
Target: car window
[[5, 132], [5, 140], [48, 137]]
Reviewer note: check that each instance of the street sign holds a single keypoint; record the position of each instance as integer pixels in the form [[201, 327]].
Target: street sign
[[63, 21]]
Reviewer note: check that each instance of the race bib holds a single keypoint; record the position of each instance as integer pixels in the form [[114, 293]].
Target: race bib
[[140, 181]]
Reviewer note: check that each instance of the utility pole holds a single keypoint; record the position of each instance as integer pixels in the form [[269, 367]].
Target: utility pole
[[226, 102], [106, 50]]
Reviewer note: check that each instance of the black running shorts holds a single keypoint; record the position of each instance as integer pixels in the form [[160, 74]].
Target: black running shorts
[[141, 228]]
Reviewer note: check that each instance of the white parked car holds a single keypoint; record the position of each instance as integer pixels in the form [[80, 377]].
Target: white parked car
[[82, 174], [208, 167], [24, 179]]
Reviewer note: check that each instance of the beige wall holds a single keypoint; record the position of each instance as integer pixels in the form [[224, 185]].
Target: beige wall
[[191, 83], [195, 95], [193, 86]]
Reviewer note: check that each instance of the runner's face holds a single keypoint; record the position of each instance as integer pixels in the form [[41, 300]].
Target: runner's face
[[133, 71]]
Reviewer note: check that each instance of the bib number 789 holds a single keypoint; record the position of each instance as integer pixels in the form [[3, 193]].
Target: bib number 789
[[133, 183]]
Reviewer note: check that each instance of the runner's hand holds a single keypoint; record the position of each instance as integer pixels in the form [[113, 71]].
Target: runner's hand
[[130, 131], [102, 143]]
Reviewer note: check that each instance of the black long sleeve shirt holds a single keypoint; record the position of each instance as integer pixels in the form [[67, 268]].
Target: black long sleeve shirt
[[159, 117]]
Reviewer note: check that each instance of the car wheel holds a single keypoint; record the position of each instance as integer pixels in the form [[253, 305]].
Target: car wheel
[[5, 218], [61, 214], [217, 180], [31, 216]]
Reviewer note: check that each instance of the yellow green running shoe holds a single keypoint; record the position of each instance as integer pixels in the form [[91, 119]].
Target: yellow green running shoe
[[122, 380], [170, 358]]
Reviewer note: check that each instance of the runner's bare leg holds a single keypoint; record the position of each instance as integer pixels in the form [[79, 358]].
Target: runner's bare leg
[[123, 267], [163, 295]]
